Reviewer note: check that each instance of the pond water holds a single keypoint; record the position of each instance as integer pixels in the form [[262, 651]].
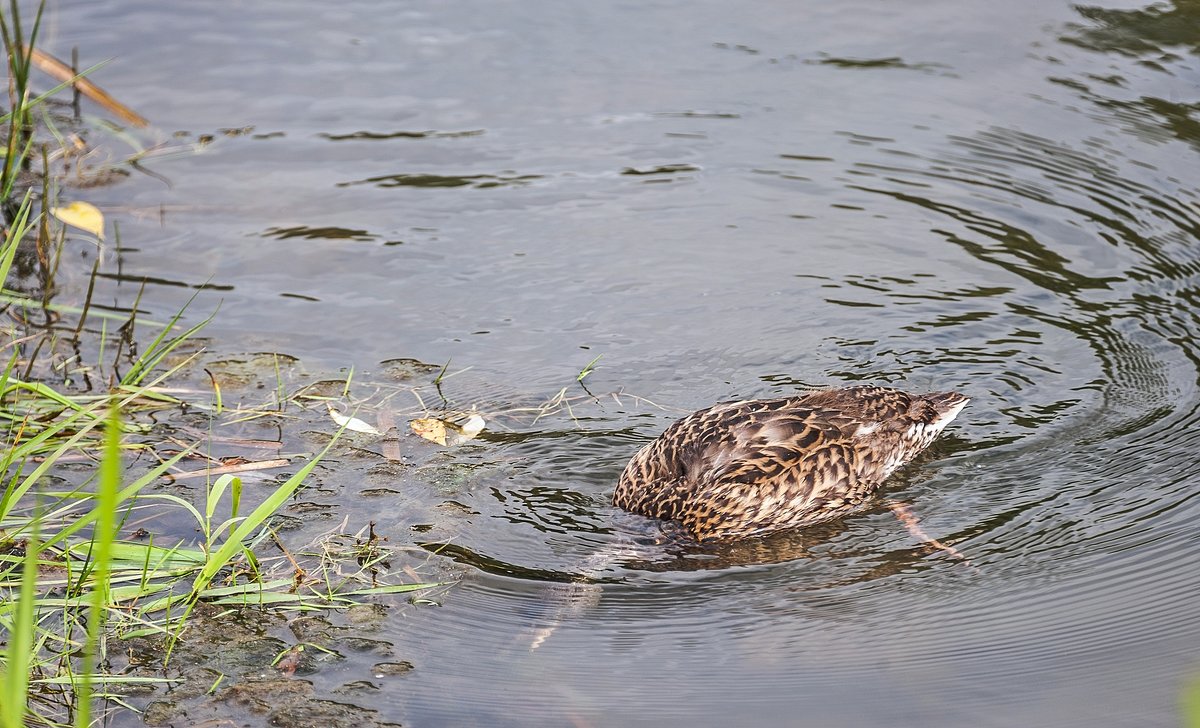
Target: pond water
[[723, 200]]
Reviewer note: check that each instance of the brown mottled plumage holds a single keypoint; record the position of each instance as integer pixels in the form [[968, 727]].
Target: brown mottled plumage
[[749, 468]]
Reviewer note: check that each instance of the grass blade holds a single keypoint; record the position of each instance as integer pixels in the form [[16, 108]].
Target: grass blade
[[102, 539], [20, 643]]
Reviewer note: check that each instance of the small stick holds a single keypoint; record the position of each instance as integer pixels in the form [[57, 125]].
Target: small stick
[[63, 73]]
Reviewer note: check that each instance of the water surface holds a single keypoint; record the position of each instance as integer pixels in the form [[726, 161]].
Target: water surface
[[725, 202]]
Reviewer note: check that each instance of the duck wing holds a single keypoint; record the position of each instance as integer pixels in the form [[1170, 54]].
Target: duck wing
[[745, 468], [727, 448], [785, 469]]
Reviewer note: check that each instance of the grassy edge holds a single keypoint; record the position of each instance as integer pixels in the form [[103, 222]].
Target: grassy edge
[[41, 532], [102, 541], [44, 531]]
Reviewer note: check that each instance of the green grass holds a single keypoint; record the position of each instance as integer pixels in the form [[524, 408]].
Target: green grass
[[72, 585], [69, 585], [15, 680], [19, 51]]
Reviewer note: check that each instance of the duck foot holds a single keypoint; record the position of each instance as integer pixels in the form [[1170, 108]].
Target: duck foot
[[905, 515], [567, 600]]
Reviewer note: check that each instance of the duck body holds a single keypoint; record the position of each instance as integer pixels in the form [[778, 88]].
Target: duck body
[[750, 468]]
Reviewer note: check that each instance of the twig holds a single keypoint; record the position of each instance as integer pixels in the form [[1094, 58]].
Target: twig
[[63, 73]]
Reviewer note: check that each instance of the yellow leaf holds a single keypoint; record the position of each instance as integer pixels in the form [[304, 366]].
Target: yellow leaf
[[446, 431], [82, 215], [430, 428]]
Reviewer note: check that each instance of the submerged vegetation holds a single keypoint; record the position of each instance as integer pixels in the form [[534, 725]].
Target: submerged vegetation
[[81, 566]]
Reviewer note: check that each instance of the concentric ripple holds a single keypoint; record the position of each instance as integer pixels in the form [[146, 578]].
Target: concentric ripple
[[724, 201], [1068, 483]]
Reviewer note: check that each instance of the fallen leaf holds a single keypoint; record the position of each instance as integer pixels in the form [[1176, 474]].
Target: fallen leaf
[[82, 215], [352, 423], [430, 428], [447, 431]]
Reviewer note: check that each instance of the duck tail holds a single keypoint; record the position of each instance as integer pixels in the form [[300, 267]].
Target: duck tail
[[945, 405]]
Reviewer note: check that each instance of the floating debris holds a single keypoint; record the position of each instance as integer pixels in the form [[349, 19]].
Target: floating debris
[[352, 423], [446, 432], [82, 215]]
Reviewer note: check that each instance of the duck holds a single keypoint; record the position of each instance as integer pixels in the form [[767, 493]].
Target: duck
[[752, 468]]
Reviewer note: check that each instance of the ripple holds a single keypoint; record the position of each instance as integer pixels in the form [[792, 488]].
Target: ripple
[[1016, 219], [1071, 471]]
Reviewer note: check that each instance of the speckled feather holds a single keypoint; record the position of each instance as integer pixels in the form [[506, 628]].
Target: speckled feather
[[750, 468]]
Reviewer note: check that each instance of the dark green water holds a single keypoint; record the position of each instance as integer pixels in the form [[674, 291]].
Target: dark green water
[[725, 200]]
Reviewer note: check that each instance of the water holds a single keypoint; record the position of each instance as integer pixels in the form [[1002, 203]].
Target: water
[[724, 202]]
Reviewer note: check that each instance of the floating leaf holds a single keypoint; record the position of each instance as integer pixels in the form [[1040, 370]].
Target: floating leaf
[[352, 423], [82, 215], [430, 428], [447, 431]]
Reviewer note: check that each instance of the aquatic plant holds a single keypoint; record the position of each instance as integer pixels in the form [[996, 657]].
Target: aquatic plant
[[69, 584], [19, 118], [75, 576]]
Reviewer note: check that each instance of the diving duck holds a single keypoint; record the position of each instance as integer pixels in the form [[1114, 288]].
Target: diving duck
[[751, 468]]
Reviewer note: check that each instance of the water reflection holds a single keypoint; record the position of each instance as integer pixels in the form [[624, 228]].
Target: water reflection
[[1143, 33], [1160, 41], [477, 181], [304, 232], [1000, 202]]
